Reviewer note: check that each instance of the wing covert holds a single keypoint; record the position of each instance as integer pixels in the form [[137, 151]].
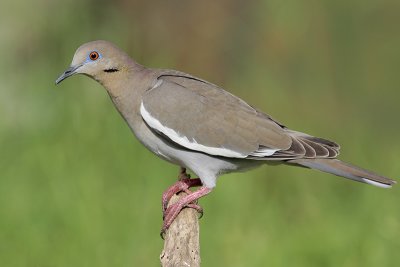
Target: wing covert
[[203, 117]]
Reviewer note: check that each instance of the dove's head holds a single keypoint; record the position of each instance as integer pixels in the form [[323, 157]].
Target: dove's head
[[100, 60]]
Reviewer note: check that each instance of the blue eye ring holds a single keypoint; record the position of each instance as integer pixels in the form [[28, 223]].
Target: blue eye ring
[[93, 56]]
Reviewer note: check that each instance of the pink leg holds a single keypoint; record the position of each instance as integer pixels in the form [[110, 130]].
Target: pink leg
[[173, 210], [183, 184], [183, 174]]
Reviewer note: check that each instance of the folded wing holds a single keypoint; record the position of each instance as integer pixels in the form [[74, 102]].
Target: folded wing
[[200, 116]]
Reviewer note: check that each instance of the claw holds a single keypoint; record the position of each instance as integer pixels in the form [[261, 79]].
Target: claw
[[187, 201], [197, 207]]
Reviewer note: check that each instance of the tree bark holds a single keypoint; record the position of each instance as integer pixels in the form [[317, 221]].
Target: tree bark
[[181, 240]]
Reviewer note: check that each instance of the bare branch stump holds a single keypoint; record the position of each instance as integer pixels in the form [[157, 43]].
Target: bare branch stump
[[181, 240]]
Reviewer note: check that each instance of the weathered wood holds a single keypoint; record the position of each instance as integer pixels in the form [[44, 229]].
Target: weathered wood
[[181, 240]]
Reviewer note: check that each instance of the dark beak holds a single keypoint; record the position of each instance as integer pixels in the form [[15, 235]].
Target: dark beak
[[69, 72]]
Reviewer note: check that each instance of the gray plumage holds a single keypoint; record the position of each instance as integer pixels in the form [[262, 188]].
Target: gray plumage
[[198, 125]]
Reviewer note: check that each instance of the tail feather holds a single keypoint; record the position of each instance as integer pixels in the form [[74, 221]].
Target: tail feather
[[346, 170]]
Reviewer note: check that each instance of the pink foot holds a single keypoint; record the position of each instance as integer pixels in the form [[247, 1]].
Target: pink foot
[[187, 201], [183, 184]]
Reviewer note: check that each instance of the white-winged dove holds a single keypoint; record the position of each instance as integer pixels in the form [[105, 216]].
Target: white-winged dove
[[197, 125]]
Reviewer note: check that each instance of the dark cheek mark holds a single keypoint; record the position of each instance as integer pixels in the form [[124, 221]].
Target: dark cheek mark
[[111, 70]]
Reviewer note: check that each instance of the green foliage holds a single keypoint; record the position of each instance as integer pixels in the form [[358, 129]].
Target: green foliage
[[76, 189]]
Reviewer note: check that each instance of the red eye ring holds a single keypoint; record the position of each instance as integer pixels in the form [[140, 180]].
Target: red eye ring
[[94, 55]]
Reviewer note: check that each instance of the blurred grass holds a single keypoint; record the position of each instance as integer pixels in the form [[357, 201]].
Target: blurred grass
[[76, 189]]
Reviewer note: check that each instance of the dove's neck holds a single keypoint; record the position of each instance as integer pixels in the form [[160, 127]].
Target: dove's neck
[[126, 92]]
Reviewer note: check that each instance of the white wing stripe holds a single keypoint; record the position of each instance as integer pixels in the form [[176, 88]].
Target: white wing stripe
[[265, 152], [183, 140]]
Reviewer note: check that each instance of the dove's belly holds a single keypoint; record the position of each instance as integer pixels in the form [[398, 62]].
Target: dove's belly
[[207, 167]]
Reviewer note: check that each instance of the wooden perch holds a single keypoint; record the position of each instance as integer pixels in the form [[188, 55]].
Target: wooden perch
[[181, 240]]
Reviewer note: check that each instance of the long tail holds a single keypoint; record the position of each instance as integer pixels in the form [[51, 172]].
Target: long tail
[[346, 170]]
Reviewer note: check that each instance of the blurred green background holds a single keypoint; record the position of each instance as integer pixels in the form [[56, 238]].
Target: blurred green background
[[77, 189]]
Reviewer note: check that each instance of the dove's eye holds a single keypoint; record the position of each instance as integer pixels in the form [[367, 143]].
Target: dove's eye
[[93, 55]]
